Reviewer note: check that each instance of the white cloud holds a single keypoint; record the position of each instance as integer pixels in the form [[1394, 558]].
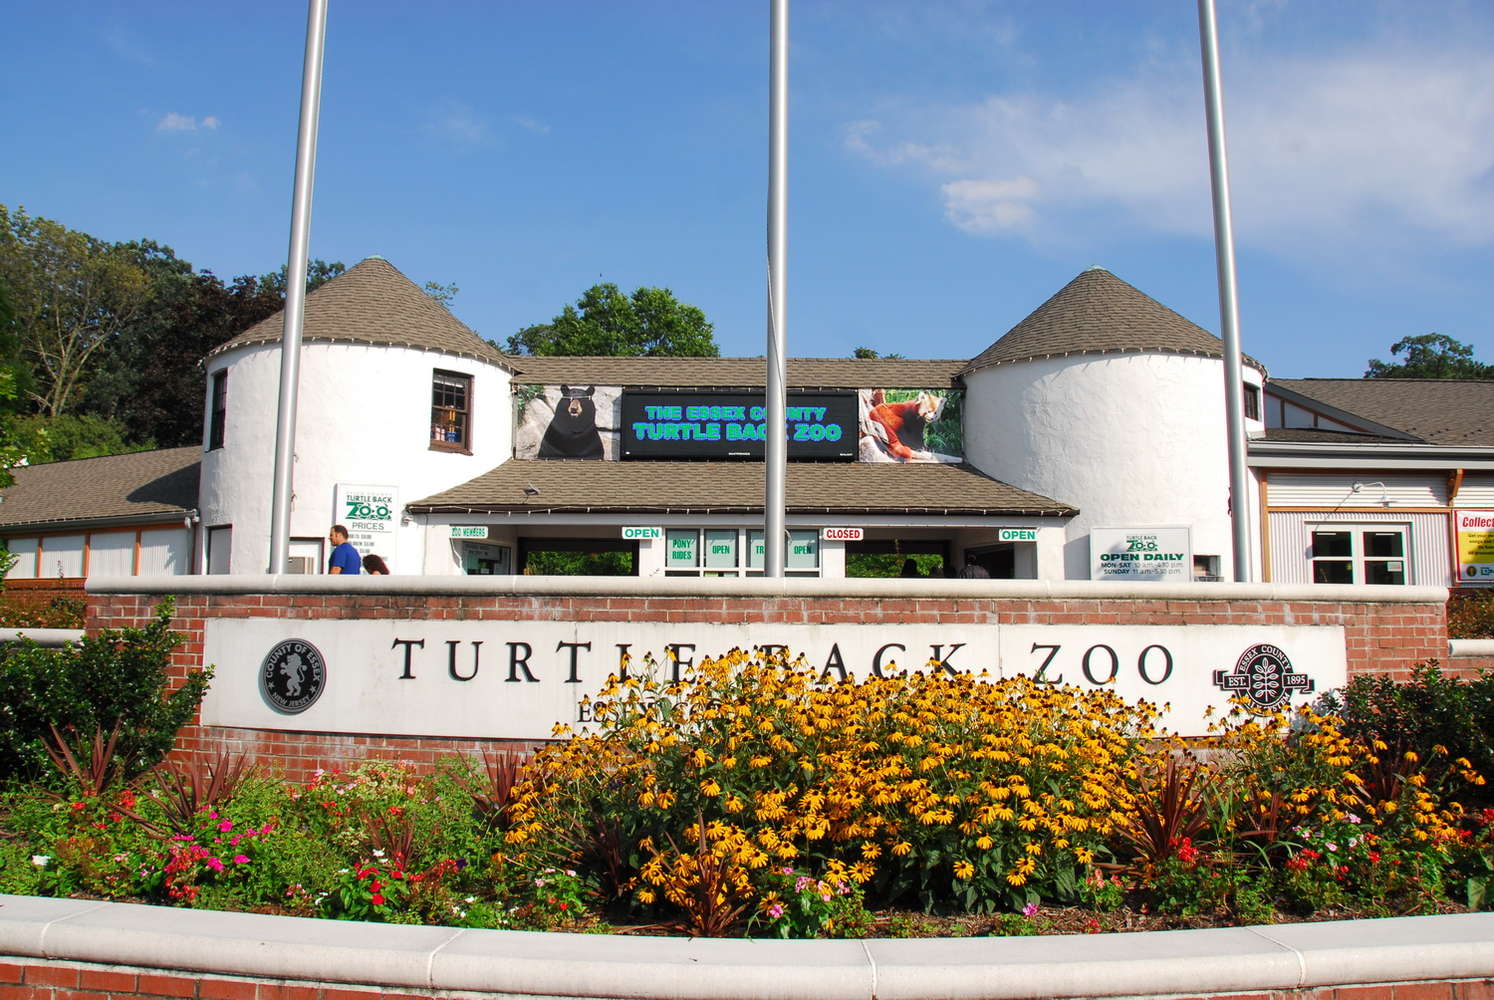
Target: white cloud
[[456, 122], [1364, 143], [531, 124], [173, 122]]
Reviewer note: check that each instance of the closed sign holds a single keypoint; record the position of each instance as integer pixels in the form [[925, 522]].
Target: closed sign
[[842, 534]]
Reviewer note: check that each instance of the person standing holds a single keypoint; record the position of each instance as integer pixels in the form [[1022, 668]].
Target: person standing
[[973, 570], [345, 558]]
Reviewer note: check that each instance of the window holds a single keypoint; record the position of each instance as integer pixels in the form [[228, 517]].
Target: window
[[219, 546], [736, 552], [1252, 402], [451, 412], [219, 415], [1359, 554]]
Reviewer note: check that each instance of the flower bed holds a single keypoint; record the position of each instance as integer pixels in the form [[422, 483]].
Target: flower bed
[[753, 799]]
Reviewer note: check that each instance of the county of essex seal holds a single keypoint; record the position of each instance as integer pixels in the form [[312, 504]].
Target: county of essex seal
[[1265, 677], [292, 676]]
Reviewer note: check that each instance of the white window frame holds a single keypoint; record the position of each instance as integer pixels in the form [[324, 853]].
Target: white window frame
[[1357, 559]]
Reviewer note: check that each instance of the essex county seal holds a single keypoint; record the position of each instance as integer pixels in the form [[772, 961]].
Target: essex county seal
[[1264, 676], [292, 676]]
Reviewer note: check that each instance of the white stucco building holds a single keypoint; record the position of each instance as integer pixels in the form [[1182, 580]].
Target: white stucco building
[[1087, 442]]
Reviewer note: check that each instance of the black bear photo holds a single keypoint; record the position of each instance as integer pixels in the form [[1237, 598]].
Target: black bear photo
[[573, 430]]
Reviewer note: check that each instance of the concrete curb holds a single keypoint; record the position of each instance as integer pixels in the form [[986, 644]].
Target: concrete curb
[[1202, 962], [629, 586]]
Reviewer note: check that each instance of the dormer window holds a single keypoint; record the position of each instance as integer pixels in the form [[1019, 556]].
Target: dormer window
[[451, 412]]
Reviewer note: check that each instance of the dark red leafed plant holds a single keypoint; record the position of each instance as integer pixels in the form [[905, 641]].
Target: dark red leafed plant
[[1171, 808], [92, 765]]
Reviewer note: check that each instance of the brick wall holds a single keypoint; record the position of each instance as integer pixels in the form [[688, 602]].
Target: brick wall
[[35, 979], [1381, 638]]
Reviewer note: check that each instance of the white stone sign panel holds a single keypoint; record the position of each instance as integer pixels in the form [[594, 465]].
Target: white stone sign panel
[[521, 679]]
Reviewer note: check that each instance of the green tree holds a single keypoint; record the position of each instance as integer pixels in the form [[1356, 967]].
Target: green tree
[[868, 353], [445, 294], [150, 377], [1431, 355], [71, 294], [74, 435], [649, 323]]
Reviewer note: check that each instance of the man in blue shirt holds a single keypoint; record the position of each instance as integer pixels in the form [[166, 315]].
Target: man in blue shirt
[[345, 558]]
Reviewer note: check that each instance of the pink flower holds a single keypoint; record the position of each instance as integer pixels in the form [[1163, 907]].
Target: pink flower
[[775, 911], [225, 826], [1029, 909], [241, 859], [213, 863]]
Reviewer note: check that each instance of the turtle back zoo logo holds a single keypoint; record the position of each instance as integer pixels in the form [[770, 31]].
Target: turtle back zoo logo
[[292, 676], [1263, 676]]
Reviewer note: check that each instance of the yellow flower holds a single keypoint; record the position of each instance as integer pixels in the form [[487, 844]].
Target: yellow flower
[[902, 849], [963, 869]]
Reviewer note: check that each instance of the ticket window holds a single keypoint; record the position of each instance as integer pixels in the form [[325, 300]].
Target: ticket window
[[486, 559], [736, 552]]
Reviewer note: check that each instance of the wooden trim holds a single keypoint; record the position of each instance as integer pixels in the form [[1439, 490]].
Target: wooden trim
[[1265, 527], [87, 551], [36, 571], [1361, 510], [135, 557], [1356, 470], [1454, 486]]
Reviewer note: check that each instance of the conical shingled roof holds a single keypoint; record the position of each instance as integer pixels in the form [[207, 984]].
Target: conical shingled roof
[[373, 303], [1098, 313]]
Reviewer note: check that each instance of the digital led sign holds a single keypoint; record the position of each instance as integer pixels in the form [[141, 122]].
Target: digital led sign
[[683, 425]]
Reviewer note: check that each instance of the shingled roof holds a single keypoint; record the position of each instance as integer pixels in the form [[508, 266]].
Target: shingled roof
[[145, 486], [373, 303], [737, 373], [1098, 313], [581, 487], [1451, 412]]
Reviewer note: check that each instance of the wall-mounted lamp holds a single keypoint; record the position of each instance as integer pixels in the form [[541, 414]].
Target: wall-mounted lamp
[[1384, 500], [191, 518]]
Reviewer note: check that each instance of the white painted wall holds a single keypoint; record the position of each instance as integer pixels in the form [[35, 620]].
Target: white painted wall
[[1132, 440], [364, 417]]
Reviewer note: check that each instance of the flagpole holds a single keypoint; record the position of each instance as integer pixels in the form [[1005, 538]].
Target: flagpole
[[295, 284], [1229, 306], [776, 450]]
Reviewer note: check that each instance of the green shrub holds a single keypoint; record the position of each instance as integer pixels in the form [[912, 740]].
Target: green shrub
[[1470, 614], [117, 677], [60, 612], [1439, 719]]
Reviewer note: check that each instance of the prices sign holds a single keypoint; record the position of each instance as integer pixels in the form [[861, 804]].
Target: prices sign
[[1141, 554], [371, 515], [1475, 546]]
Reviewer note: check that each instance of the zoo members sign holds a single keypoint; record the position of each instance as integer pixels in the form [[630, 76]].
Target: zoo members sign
[[1141, 554], [1475, 546], [518, 679], [371, 515]]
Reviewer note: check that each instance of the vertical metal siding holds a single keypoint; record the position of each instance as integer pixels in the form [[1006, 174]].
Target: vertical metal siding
[[1291, 543]]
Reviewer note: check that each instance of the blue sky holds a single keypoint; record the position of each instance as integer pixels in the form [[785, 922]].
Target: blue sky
[[952, 162]]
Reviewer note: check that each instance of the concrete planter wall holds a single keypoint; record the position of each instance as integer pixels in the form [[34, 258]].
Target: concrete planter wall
[[77, 948]]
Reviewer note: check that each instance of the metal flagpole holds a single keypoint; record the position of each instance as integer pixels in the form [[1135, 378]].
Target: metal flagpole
[[776, 457], [1229, 307], [295, 284]]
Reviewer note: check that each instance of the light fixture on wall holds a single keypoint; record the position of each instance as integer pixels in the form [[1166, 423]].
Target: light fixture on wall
[[1384, 500], [191, 518]]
